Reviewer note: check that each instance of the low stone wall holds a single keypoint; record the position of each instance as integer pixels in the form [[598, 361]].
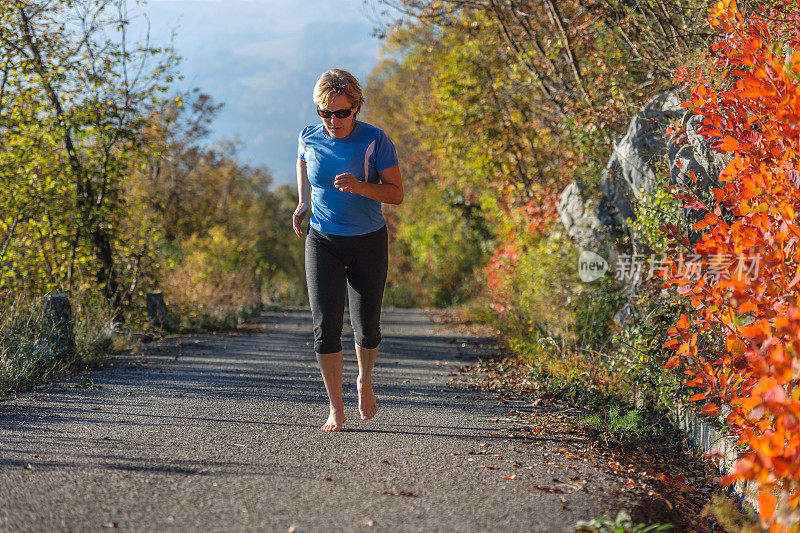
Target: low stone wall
[[717, 445]]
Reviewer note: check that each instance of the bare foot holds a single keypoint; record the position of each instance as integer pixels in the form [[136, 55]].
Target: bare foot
[[366, 400], [334, 422]]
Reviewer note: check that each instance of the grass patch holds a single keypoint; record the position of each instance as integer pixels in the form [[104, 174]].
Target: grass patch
[[618, 426], [88, 383], [29, 352], [615, 422], [621, 524]]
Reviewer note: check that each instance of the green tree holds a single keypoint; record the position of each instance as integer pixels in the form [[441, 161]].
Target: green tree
[[73, 104], [214, 218]]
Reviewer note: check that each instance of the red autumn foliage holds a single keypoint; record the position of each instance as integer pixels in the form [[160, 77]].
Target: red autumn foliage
[[749, 98], [537, 217], [500, 267]]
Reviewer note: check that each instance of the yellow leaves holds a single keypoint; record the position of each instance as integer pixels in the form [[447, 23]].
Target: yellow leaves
[[727, 316], [744, 207], [734, 345]]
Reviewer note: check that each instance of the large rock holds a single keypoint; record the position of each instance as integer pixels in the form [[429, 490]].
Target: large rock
[[691, 153], [594, 220], [629, 173], [631, 170], [579, 217]]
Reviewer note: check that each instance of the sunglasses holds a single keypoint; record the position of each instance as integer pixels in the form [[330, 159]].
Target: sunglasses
[[342, 113]]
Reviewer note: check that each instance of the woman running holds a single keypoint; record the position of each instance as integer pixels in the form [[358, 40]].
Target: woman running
[[347, 168]]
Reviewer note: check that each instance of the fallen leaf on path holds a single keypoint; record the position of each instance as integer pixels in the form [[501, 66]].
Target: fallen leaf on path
[[548, 489], [512, 476]]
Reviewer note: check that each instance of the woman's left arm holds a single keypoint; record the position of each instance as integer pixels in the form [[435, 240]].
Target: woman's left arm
[[389, 190]]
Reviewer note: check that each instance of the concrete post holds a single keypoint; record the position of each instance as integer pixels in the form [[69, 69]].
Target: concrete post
[[255, 288], [156, 311], [58, 316]]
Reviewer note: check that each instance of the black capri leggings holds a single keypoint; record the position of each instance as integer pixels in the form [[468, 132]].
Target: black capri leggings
[[360, 263]]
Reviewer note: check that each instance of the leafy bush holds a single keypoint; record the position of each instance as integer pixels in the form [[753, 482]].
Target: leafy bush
[[29, 351], [94, 326], [202, 318], [655, 210], [749, 99], [538, 293], [441, 238], [211, 285], [282, 290]]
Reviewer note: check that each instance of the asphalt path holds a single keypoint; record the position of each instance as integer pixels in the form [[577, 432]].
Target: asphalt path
[[220, 432]]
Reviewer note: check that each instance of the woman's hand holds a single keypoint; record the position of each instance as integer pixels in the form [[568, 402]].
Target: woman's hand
[[298, 217], [348, 183]]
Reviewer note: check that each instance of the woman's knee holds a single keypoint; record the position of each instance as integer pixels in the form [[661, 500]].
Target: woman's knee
[[369, 338], [327, 341]]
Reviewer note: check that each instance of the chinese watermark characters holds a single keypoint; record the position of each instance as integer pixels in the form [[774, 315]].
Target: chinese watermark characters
[[634, 268]]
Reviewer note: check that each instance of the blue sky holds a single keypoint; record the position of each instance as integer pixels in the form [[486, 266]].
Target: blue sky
[[261, 59]]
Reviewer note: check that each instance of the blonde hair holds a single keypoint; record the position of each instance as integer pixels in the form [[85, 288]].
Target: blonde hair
[[335, 82]]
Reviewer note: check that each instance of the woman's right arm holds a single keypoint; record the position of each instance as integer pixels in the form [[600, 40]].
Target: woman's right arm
[[303, 193]]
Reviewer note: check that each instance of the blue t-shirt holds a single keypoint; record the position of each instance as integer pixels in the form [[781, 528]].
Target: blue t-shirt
[[364, 152]]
